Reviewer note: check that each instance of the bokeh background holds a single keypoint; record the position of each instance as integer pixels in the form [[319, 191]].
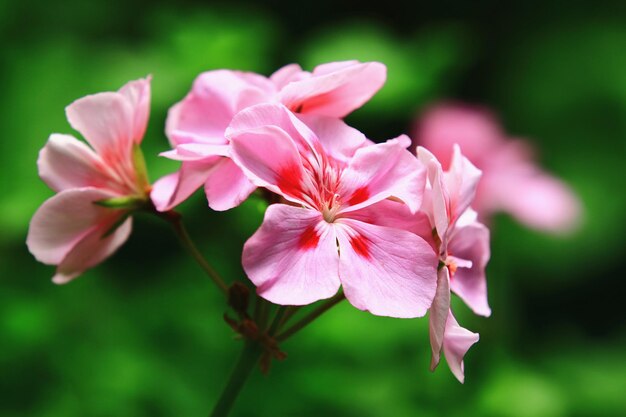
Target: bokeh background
[[142, 334]]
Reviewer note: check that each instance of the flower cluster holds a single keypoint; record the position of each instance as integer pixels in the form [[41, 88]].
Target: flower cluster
[[388, 227]]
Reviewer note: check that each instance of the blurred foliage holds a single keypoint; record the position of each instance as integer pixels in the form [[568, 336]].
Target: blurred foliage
[[142, 335]]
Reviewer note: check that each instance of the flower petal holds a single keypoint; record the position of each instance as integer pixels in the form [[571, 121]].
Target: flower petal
[[456, 343], [542, 202], [473, 128], [438, 315], [381, 171], [337, 138], [173, 189], [196, 151], [66, 162], [269, 157], [386, 271], [436, 198], [461, 182], [287, 74], [276, 115], [92, 249], [106, 121], [227, 186], [335, 89], [64, 220], [292, 258], [471, 243], [395, 214], [216, 96], [138, 94]]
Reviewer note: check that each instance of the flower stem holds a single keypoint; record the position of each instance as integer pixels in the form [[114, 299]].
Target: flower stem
[[291, 310], [278, 319], [176, 221], [247, 360], [261, 312], [318, 311]]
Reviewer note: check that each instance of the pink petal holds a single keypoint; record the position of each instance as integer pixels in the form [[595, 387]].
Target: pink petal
[[436, 198], [386, 271], [106, 120], [471, 242], [270, 159], [91, 250], [395, 214], [216, 96], [474, 129], [227, 186], [451, 192], [381, 171], [333, 67], [337, 138], [292, 258], [276, 115], [64, 220], [173, 189], [336, 92], [196, 151], [542, 202], [461, 182], [456, 343], [66, 162], [287, 74], [138, 94], [438, 315]]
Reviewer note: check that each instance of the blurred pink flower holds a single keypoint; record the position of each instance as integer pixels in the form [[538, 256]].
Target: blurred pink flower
[[196, 125], [463, 247], [70, 229], [321, 238], [511, 181]]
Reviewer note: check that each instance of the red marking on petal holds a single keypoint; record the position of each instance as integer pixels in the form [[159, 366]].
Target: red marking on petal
[[359, 196], [309, 238], [361, 246], [289, 180]]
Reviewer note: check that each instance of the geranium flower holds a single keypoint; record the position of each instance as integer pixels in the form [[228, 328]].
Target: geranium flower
[[319, 238], [97, 186], [196, 125], [463, 247], [511, 181]]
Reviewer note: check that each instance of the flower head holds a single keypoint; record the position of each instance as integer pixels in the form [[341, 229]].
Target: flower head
[[196, 125], [97, 185], [463, 247], [330, 176]]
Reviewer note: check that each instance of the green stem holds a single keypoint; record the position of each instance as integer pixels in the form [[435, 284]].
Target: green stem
[[303, 322], [291, 310], [249, 357], [176, 220], [261, 312], [278, 319]]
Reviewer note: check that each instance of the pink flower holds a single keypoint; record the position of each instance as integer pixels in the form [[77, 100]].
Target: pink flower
[[511, 181], [87, 220], [463, 247], [196, 125], [321, 238]]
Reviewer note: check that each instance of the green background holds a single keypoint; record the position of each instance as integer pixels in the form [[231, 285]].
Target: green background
[[142, 334]]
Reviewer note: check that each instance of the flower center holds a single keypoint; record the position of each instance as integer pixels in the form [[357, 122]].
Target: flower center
[[321, 185], [453, 263], [330, 208]]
